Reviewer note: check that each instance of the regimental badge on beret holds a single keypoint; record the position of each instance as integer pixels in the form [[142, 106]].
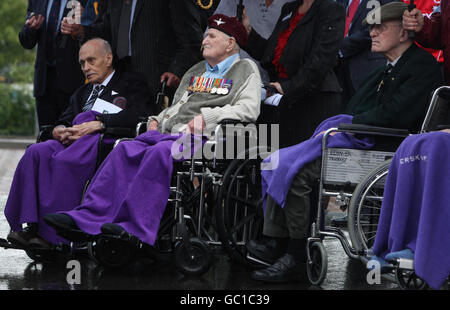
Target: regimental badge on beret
[[219, 21]]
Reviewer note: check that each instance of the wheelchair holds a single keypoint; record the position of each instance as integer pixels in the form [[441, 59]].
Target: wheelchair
[[356, 178], [62, 251], [215, 203]]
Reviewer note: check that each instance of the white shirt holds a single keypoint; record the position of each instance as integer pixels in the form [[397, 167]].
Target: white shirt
[[105, 83], [61, 11]]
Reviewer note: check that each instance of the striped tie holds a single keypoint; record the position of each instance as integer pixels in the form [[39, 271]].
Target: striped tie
[[97, 89]]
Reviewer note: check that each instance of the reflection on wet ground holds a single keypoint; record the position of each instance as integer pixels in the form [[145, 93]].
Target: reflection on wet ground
[[18, 271]]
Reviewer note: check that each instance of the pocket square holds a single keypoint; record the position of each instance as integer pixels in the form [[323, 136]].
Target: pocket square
[[114, 93]]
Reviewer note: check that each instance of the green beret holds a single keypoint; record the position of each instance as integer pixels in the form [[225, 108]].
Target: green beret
[[389, 11]]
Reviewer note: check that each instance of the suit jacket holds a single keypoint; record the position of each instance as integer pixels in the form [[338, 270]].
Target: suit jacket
[[356, 46], [70, 76], [310, 53], [166, 36], [129, 85], [398, 99]]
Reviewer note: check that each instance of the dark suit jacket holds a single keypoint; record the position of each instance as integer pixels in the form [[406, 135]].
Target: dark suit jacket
[[310, 52], [129, 85], [311, 90], [356, 46], [68, 69], [403, 97], [166, 36]]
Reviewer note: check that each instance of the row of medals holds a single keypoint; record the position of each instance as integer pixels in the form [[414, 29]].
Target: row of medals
[[210, 85]]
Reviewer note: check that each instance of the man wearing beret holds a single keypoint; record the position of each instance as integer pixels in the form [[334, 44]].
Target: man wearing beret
[[395, 95], [129, 192]]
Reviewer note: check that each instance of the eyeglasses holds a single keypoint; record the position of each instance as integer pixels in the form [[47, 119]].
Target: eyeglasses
[[380, 28]]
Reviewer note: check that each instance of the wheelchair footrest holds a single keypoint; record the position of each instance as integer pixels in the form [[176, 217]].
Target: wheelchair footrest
[[257, 260], [8, 245], [76, 235]]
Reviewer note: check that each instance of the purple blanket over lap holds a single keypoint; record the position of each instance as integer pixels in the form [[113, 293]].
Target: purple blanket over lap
[[131, 187], [416, 213], [50, 177], [276, 182]]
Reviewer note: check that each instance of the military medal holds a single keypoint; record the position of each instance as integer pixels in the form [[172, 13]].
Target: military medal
[[219, 88], [227, 86], [191, 84], [197, 84], [208, 85], [214, 88]]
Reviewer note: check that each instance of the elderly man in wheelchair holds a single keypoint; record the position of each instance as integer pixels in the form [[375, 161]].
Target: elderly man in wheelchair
[[128, 195], [413, 236], [394, 96], [52, 174]]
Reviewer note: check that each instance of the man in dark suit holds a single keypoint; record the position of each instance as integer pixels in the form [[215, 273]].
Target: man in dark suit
[[125, 89], [57, 73], [159, 38], [56, 171], [356, 60]]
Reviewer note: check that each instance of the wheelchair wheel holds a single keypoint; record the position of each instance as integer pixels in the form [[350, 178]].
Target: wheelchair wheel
[[196, 261], [111, 252], [91, 252], [317, 264], [239, 213], [408, 280], [365, 207]]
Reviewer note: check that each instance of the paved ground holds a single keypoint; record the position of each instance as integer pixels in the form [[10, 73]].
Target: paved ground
[[19, 272]]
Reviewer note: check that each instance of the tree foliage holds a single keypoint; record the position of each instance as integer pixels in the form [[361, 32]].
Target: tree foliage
[[16, 63]]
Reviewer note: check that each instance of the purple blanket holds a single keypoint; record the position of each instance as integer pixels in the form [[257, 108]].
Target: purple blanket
[[50, 177], [131, 187], [277, 182], [416, 213]]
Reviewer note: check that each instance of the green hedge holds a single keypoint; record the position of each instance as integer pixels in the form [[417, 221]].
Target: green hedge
[[17, 110]]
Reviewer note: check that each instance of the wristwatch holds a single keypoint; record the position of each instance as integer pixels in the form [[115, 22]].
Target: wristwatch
[[103, 127]]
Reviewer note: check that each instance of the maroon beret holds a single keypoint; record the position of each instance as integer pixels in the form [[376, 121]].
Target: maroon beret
[[229, 25]]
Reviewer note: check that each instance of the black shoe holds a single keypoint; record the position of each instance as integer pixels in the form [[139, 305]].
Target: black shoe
[[267, 249], [117, 230], [285, 269], [113, 229], [21, 238], [60, 221], [66, 227], [40, 243]]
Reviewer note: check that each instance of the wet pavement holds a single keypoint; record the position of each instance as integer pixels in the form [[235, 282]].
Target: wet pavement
[[19, 272]]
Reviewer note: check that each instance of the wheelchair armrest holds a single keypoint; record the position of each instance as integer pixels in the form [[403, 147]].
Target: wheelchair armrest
[[373, 129], [229, 121], [45, 133], [120, 132], [141, 127], [441, 127]]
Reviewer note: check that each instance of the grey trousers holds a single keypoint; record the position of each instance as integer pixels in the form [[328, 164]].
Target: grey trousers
[[293, 220]]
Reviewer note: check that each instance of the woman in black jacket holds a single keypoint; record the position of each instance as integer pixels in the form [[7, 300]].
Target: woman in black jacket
[[299, 56]]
